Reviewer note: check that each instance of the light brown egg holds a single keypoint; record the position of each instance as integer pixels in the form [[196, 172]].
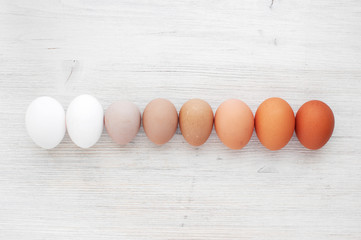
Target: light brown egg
[[234, 123], [196, 121], [314, 124], [160, 120], [122, 121], [274, 123]]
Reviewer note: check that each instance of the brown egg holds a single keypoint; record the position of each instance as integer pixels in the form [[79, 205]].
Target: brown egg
[[122, 121], [314, 124], [160, 120], [274, 123], [196, 121], [234, 123]]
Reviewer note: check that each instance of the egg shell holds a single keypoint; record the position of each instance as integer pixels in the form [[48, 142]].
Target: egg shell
[[314, 124], [45, 122], [122, 121], [160, 120], [196, 121], [85, 120], [234, 123], [274, 123]]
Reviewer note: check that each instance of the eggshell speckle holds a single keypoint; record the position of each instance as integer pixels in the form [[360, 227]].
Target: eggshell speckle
[[314, 124], [85, 120], [274, 123], [160, 120], [196, 121], [234, 123], [122, 121], [45, 122]]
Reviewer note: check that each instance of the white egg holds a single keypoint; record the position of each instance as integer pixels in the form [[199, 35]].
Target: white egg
[[85, 120], [45, 122]]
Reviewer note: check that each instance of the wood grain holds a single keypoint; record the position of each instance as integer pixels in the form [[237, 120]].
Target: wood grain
[[215, 50]]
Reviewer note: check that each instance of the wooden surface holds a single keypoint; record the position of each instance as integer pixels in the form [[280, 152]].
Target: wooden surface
[[215, 50]]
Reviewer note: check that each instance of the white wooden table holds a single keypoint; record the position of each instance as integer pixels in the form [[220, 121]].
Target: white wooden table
[[214, 50]]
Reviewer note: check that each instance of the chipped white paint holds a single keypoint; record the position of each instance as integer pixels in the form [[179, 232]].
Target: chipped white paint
[[139, 50]]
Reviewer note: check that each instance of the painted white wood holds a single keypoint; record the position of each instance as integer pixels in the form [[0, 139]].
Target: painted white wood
[[140, 50]]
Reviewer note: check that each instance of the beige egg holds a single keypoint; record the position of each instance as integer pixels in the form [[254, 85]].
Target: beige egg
[[160, 120], [122, 121], [196, 121]]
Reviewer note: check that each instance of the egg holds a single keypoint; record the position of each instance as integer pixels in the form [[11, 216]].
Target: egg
[[45, 122], [314, 124], [122, 121], [234, 123], [160, 120], [196, 121], [85, 120], [274, 123]]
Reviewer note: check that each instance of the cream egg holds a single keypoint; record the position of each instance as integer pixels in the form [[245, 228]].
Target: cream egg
[[85, 120]]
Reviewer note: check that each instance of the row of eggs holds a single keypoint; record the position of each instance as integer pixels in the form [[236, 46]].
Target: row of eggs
[[274, 122]]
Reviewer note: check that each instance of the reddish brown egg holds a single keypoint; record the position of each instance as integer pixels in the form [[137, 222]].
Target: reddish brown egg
[[314, 124], [196, 121], [234, 123], [274, 123]]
